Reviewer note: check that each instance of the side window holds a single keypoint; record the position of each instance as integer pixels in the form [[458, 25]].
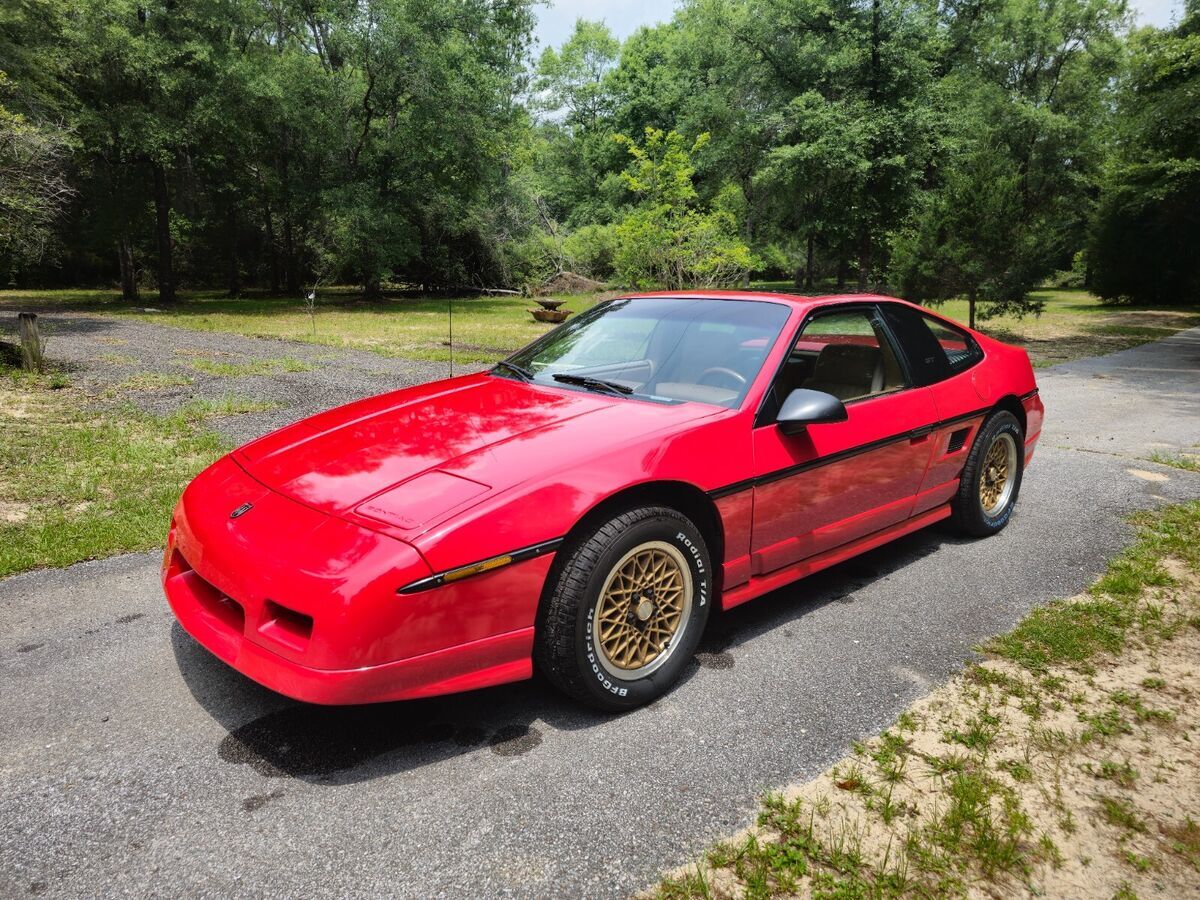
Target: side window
[[846, 353], [961, 352]]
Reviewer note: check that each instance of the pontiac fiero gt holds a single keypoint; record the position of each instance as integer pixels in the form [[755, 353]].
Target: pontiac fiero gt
[[583, 505]]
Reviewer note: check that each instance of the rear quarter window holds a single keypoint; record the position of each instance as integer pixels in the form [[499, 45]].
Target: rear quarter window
[[961, 351], [935, 349]]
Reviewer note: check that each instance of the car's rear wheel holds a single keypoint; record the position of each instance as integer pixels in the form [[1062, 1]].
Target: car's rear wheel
[[626, 609], [991, 477]]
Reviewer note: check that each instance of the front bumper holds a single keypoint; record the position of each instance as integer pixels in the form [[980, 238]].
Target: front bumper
[[306, 604], [492, 660]]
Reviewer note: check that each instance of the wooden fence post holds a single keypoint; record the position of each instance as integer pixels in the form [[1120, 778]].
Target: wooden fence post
[[31, 342]]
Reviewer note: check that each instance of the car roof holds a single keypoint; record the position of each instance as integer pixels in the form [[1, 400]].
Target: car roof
[[799, 301]]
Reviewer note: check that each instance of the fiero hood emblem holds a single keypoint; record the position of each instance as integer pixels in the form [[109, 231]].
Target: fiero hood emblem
[[241, 510]]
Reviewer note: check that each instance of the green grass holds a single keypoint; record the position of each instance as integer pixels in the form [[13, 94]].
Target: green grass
[[197, 411], [152, 381], [1119, 812], [1072, 324], [1189, 462], [1073, 632], [1122, 774], [81, 481], [253, 367], [118, 359]]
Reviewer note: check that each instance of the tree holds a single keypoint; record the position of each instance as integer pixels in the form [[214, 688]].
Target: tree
[[666, 240], [33, 186], [971, 237], [1144, 239], [574, 153], [1021, 106], [571, 79], [832, 62], [139, 71], [958, 147]]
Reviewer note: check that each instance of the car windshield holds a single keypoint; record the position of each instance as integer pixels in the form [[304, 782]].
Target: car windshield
[[657, 348]]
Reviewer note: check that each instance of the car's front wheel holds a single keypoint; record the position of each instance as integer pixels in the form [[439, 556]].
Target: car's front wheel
[[626, 610], [991, 476]]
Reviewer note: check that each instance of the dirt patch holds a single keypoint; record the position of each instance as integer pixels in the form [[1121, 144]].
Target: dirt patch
[[1157, 477], [1151, 318], [1076, 781], [13, 512]]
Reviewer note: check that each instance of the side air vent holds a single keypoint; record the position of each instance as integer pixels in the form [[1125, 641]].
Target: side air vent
[[958, 440]]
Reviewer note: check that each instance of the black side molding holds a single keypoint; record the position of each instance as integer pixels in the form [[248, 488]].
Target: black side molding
[[484, 565]]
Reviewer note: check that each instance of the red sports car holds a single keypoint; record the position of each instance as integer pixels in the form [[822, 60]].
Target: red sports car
[[582, 506]]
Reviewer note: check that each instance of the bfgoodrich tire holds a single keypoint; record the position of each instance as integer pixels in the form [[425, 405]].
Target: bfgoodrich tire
[[991, 477], [626, 610]]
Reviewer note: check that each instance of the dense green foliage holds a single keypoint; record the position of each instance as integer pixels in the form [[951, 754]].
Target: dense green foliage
[[938, 148], [1147, 229]]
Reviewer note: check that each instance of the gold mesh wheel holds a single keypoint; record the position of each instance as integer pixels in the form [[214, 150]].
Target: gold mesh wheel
[[643, 610], [999, 474]]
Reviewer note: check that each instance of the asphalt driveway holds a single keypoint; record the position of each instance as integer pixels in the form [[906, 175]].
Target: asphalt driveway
[[133, 762]]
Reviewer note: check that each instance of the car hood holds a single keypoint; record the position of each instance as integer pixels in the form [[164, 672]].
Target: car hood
[[337, 460]]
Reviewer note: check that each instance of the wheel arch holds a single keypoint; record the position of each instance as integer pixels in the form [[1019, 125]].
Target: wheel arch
[[1012, 404], [681, 496]]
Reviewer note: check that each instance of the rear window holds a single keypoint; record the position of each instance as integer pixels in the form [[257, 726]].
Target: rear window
[[961, 352]]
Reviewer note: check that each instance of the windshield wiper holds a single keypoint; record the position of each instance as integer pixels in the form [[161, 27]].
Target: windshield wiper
[[520, 371], [600, 384]]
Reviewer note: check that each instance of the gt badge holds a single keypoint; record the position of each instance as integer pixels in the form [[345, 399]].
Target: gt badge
[[241, 510]]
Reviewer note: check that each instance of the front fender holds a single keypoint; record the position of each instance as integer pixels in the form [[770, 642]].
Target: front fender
[[710, 454]]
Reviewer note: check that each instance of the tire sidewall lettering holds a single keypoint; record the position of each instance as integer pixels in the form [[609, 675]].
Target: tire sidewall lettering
[[700, 576], [599, 677]]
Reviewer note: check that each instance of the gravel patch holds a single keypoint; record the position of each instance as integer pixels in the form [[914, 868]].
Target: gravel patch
[[138, 361]]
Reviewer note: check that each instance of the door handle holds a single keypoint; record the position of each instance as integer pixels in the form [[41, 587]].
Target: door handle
[[920, 435]]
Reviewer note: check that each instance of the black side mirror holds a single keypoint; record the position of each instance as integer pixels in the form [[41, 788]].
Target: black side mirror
[[804, 407]]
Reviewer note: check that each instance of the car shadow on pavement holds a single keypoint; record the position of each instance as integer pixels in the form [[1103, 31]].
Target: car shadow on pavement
[[837, 584], [278, 737]]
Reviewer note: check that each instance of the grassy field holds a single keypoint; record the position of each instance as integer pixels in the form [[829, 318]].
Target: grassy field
[[82, 477], [1074, 324], [1064, 765], [485, 328]]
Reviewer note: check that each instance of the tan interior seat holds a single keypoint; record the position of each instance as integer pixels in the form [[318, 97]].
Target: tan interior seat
[[848, 371]]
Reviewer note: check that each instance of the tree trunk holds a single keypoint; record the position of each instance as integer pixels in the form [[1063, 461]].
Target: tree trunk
[[162, 228], [272, 250], [371, 286], [864, 260], [749, 232], [808, 263], [971, 307], [129, 288], [231, 227], [843, 271], [290, 274]]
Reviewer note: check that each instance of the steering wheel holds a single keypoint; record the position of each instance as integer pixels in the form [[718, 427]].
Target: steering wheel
[[739, 380]]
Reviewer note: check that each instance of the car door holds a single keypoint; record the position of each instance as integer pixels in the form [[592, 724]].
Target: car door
[[833, 483], [943, 358]]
